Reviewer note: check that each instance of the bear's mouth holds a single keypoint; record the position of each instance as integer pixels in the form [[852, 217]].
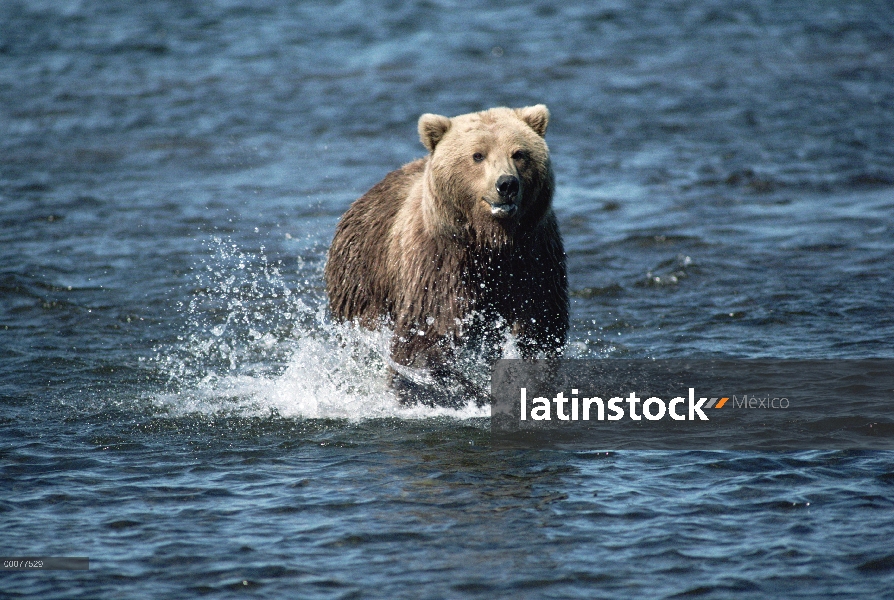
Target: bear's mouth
[[503, 210]]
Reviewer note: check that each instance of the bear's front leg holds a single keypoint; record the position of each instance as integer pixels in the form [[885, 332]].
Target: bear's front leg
[[424, 371], [543, 334]]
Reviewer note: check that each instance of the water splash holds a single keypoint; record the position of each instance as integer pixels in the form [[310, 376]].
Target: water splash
[[257, 341]]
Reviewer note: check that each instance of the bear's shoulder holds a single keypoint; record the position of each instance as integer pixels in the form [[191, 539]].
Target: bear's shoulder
[[397, 183], [377, 208], [358, 276]]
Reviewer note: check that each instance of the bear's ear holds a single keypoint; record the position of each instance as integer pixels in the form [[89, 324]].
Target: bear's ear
[[431, 129], [537, 117]]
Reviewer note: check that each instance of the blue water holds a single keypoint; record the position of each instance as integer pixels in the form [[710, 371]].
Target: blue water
[[176, 404]]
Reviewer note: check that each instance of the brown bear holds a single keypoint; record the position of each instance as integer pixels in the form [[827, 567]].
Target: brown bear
[[457, 247]]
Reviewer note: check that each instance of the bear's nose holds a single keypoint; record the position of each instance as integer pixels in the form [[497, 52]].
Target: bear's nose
[[507, 186]]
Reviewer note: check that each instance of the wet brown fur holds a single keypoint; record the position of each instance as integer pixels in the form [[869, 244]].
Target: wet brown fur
[[421, 251]]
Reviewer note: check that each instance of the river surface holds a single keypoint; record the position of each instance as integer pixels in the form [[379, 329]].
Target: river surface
[[176, 404]]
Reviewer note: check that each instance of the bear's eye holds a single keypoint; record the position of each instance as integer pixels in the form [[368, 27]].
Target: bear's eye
[[477, 157], [519, 155]]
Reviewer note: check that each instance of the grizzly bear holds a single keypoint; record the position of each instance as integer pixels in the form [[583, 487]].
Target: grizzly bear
[[460, 246]]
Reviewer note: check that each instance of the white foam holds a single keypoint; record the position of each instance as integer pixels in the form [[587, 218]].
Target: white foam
[[324, 378], [243, 363]]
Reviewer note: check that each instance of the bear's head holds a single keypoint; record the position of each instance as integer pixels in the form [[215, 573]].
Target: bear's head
[[488, 173]]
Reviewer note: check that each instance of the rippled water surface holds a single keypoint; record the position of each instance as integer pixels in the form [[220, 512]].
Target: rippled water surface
[[176, 404]]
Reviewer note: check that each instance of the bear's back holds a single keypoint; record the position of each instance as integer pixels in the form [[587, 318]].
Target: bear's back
[[358, 279]]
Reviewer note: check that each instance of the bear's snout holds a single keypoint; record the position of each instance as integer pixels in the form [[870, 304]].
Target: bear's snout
[[507, 187]]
